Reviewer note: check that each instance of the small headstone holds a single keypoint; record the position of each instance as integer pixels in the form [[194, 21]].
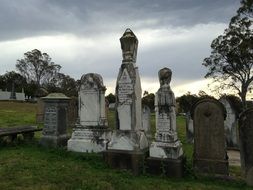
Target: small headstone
[[73, 111], [13, 92], [210, 154], [91, 131], [189, 128], [55, 120], [146, 121], [166, 149], [230, 124], [129, 140], [246, 144], [40, 111]]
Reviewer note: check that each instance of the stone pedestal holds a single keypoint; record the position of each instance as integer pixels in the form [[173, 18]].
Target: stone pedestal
[[55, 120], [91, 133], [168, 167], [129, 160]]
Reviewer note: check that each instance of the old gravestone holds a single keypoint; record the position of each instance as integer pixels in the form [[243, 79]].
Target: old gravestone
[[210, 154], [189, 128], [129, 142], [166, 154], [91, 132], [246, 144], [232, 106], [146, 121], [55, 120]]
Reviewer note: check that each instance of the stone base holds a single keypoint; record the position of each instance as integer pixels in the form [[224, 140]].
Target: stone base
[[54, 141], [129, 160], [128, 140], [168, 167], [83, 145], [212, 167], [89, 139], [166, 150]]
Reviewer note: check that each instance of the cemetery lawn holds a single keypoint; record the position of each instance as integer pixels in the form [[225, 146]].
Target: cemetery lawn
[[26, 165]]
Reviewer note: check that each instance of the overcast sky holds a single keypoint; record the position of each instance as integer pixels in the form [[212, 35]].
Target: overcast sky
[[83, 36]]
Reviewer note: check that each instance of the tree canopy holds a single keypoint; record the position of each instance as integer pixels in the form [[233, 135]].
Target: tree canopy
[[231, 60], [37, 67]]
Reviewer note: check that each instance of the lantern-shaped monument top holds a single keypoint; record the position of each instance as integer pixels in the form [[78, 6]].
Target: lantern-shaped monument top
[[129, 45]]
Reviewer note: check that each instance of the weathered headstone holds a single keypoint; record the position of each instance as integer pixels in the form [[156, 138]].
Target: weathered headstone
[[166, 150], [210, 154], [146, 121], [189, 128], [246, 144], [13, 92], [231, 123], [55, 120], [73, 111], [90, 133], [40, 111], [129, 140]]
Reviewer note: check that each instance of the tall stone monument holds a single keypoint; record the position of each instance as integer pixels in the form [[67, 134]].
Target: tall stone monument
[[146, 125], [54, 133], [166, 150], [210, 154], [231, 122], [246, 144], [90, 132], [129, 141]]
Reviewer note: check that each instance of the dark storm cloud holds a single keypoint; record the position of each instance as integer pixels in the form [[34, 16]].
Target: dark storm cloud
[[25, 18]]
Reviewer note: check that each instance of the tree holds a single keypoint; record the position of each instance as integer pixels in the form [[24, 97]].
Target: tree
[[111, 98], [8, 78], [231, 60], [148, 99], [62, 83], [186, 102], [37, 67]]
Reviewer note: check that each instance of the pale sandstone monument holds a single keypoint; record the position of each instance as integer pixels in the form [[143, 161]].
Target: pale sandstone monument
[[231, 122], [246, 144], [167, 148], [210, 154], [91, 130], [128, 140]]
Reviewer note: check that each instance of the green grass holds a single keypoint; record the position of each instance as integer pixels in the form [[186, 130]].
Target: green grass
[[25, 165]]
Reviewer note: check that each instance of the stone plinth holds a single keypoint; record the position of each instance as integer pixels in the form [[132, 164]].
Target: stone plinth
[[55, 120], [91, 133], [246, 144], [210, 156], [168, 167]]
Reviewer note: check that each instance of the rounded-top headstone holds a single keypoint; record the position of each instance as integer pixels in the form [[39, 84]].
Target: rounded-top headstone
[[92, 81]]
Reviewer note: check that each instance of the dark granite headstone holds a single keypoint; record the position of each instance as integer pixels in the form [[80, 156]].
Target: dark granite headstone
[[246, 144], [210, 154], [55, 120]]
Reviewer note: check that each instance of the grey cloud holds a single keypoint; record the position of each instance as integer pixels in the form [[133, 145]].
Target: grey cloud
[[26, 18]]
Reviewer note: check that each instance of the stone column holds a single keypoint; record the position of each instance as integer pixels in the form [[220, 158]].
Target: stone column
[[55, 120], [91, 133], [129, 140], [246, 144], [166, 149]]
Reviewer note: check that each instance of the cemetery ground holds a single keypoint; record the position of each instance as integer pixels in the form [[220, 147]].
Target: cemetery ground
[[26, 165]]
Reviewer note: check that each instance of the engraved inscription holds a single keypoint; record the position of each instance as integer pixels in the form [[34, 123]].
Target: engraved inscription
[[163, 123], [50, 120], [125, 88]]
